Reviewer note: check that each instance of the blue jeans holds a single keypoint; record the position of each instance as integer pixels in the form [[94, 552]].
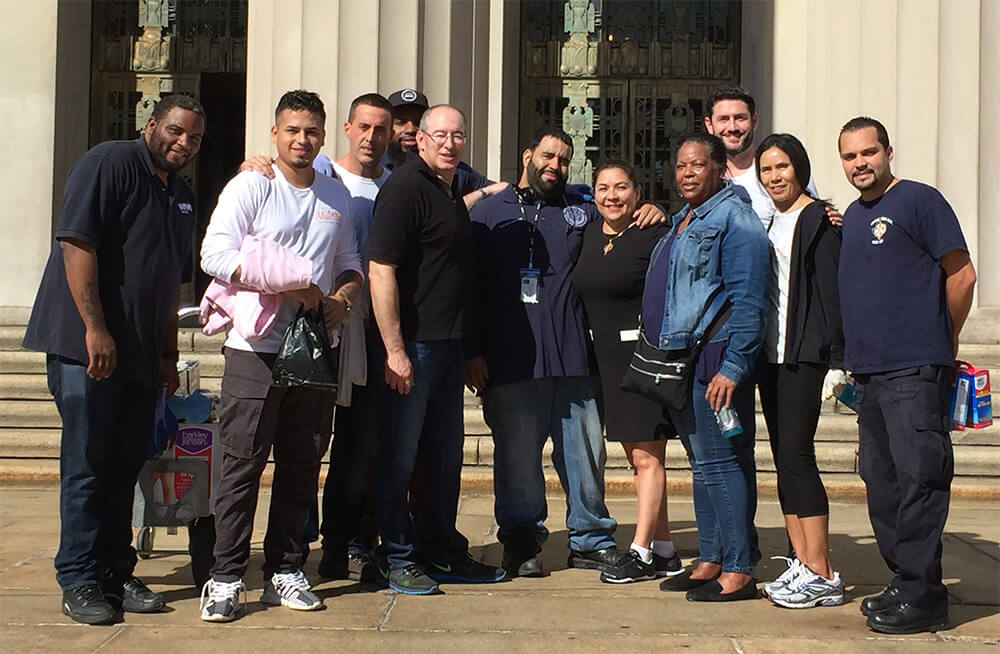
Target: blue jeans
[[522, 415], [724, 478], [429, 416], [107, 428]]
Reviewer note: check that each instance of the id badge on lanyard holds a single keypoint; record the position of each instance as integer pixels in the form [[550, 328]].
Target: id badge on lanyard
[[530, 276], [529, 285]]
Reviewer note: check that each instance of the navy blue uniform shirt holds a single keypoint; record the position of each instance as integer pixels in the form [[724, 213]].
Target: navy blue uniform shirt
[[142, 231], [892, 286], [526, 341]]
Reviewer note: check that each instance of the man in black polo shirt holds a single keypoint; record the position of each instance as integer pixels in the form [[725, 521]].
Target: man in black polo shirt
[[408, 106], [906, 285], [106, 315], [420, 269]]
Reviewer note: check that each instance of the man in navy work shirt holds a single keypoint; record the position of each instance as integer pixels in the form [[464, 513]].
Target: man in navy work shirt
[[906, 285], [106, 315], [531, 359], [420, 270]]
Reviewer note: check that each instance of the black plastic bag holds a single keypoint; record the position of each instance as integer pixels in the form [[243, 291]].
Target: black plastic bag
[[305, 357]]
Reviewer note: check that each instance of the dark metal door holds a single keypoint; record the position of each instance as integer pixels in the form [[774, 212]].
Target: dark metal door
[[625, 78]]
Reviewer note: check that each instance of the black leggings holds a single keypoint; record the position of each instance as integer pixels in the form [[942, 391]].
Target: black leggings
[[790, 398]]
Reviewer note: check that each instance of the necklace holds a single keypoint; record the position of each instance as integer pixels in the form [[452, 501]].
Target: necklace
[[610, 245]]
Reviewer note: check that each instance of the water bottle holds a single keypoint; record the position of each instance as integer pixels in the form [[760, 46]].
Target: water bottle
[[729, 422]]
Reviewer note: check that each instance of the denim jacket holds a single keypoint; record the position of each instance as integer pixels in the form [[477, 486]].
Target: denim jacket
[[722, 254]]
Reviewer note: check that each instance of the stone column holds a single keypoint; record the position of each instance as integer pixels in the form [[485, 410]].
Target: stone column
[[52, 117], [989, 156], [958, 125]]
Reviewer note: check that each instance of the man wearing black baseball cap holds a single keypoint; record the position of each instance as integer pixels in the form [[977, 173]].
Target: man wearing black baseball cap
[[408, 105]]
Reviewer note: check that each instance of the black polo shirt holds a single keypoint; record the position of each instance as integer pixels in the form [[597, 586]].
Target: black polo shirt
[[142, 231], [425, 232]]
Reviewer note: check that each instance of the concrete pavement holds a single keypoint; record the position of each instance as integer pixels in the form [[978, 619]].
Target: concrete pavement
[[568, 611]]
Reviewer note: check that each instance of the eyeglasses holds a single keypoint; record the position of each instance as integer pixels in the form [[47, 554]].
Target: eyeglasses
[[440, 138]]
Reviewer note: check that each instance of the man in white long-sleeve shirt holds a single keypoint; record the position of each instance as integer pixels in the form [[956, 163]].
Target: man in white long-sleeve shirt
[[310, 215]]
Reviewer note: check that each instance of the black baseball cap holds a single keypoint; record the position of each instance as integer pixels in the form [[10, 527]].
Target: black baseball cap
[[405, 97]]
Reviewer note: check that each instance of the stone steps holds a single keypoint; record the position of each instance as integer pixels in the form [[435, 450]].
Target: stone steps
[[836, 445], [29, 422]]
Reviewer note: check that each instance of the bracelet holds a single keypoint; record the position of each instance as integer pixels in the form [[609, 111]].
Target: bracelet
[[483, 192]]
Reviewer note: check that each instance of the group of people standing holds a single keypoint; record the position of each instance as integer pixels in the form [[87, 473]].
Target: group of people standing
[[534, 295]]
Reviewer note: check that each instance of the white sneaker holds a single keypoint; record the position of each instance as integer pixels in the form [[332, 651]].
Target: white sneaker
[[222, 603], [785, 578], [290, 589], [810, 589]]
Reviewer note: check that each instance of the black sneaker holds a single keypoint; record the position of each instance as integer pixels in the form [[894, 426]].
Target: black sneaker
[[603, 560], [409, 580], [521, 566], [138, 598], [361, 566], [632, 568], [466, 570], [667, 566], [86, 604]]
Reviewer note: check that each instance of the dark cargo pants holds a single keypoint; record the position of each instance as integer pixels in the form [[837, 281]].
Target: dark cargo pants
[[907, 464], [256, 416]]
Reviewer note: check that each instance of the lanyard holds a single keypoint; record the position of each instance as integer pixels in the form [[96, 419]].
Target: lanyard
[[533, 228]]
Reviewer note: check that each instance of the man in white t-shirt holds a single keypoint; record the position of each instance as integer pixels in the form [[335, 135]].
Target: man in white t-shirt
[[348, 526], [731, 114], [310, 215]]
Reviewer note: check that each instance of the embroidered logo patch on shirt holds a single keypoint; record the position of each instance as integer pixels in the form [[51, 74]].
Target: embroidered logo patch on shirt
[[185, 207], [575, 216], [880, 227], [328, 215]]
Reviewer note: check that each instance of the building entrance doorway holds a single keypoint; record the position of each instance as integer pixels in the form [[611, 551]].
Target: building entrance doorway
[[142, 50], [625, 78]]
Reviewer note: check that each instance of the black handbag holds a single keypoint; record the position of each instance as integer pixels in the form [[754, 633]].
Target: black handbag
[[305, 357], [665, 376]]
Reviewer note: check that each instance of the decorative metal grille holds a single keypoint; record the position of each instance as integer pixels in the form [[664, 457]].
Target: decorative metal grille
[[656, 62]]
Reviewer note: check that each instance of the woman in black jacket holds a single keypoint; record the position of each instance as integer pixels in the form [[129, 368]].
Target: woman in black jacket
[[804, 345]]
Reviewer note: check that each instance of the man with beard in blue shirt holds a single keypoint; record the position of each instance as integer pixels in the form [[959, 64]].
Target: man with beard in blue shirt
[[906, 285], [532, 361]]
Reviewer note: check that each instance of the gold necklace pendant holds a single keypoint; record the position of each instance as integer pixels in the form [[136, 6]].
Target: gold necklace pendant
[[610, 245]]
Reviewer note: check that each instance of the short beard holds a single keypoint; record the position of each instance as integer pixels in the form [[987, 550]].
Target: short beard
[[744, 145], [300, 163], [546, 190], [160, 162], [869, 185], [394, 153]]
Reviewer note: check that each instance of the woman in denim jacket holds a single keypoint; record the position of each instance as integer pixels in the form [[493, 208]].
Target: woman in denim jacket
[[715, 258]]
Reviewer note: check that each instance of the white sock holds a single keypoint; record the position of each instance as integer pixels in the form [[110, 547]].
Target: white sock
[[664, 548], [644, 553]]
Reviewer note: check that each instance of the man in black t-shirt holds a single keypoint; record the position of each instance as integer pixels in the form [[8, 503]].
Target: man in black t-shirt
[[106, 315], [421, 269], [906, 285]]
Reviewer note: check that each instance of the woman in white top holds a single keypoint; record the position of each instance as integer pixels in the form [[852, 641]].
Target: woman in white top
[[804, 345]]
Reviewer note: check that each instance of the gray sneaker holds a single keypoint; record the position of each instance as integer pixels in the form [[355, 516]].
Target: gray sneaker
[[290, 589], [809, 590], [220, 600], [785, 578]]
